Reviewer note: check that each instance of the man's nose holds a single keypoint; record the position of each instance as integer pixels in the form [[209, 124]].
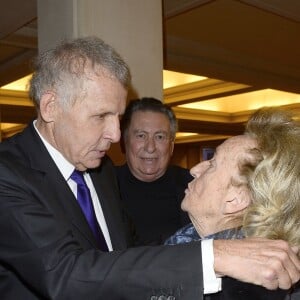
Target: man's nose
[[113, 130], [150, 144]]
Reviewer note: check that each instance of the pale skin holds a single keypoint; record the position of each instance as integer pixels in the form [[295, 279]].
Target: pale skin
[[213, 204], [269, 263], [148, 145], [212, 201], [84, 132]]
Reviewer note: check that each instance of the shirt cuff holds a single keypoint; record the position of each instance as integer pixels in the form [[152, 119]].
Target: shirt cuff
[[211, 283]]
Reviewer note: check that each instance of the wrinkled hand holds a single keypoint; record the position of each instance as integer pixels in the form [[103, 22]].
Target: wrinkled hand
[[269, 263]]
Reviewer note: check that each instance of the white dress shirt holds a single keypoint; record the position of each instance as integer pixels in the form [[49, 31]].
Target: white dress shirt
[[211, 282], [66, 170]]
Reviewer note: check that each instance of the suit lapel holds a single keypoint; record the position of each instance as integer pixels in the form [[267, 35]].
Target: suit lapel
[[51, 183], [70, 206], [104, 181]]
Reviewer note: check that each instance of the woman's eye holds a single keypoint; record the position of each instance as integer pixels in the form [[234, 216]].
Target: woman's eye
[[211, 163]]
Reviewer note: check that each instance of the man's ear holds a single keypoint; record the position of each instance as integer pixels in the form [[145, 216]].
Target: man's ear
[[172, 147], [238, 199], [48, 106]]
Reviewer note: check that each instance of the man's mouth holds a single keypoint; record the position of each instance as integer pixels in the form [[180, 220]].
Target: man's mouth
[[101, 153], [149, 159]]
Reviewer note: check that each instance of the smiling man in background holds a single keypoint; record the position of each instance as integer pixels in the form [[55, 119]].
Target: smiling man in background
[[151, 189]]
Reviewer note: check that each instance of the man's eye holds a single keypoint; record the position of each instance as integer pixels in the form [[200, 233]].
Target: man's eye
[[160, 137], [140, 136], [102, 116]]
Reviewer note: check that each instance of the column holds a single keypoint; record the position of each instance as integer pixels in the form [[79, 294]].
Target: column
[[132, 27]]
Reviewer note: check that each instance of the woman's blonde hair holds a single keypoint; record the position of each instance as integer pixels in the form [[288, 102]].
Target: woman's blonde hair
[[275, 182]]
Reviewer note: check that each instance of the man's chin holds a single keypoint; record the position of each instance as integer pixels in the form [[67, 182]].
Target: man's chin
[[95, 163], [148, 176]]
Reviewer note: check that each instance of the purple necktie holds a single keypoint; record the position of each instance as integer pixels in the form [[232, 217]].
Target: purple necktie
[[85, 201]]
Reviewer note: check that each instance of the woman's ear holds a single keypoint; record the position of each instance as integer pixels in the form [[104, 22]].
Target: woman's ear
[[48, 106], [238, 198]]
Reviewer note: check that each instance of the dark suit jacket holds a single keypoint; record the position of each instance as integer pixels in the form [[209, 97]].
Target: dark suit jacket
[[236, 290], [47, 250]]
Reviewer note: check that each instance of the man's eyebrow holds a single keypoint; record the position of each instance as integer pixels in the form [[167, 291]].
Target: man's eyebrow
[[161, 131]]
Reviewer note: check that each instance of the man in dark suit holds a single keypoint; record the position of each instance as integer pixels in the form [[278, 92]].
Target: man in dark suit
[[48, 245]]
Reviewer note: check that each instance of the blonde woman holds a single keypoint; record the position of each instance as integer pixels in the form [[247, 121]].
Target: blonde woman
[[251, 187]]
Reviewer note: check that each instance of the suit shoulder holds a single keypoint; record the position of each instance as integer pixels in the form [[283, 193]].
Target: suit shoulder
[[10, 154]]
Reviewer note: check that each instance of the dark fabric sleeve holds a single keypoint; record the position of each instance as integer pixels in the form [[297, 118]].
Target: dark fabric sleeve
[[40, 254], [233, 289]]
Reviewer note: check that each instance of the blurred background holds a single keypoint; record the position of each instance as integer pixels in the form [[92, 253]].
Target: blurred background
[[223, 59]]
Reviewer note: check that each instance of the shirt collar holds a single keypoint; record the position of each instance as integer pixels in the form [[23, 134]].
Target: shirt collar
[[64, 166]]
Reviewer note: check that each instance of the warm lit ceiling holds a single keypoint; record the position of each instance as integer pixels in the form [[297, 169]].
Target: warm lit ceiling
[[246, 53]]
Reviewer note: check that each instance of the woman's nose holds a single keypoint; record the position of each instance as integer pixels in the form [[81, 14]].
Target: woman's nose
[[196, 171]]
